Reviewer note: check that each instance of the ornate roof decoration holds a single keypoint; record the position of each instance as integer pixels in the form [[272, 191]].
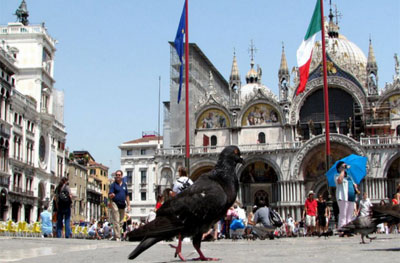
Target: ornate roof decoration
[[22, 13], [344, 53], [283, 68], [235, 76]]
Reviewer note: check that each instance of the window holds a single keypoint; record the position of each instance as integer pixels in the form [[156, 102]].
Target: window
[[130, 196], [129, 152], [92, 171], [143, 176], [129, 176], [213, 141], [261, 137], [143, 196], [143, 152]]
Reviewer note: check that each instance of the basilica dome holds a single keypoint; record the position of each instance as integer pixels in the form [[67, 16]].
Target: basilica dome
[[347, 55]]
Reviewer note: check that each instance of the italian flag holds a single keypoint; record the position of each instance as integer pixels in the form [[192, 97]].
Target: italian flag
[[304, 52]]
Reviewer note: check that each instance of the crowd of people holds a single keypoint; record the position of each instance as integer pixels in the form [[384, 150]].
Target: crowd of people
[[237, 223]]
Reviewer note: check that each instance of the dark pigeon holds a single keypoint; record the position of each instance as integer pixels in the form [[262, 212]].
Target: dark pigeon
[[195, 210], [366, 225]]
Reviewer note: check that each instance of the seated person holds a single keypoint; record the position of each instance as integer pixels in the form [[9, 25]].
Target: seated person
[[95, 230], [45, 218]]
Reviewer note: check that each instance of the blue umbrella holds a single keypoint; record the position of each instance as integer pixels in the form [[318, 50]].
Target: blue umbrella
[[357, 171]]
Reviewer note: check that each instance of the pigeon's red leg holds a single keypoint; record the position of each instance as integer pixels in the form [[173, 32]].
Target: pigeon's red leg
[[196, 244], [178, 249]]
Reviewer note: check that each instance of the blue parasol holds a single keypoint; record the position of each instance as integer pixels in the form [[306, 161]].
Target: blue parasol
[[357, 171]]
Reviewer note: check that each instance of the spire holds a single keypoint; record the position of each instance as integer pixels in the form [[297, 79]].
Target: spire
[[252, 76], [235, 76], [283, 69], [284, 77], [371, 56], [22, 13], [372, 71], [333, 28]]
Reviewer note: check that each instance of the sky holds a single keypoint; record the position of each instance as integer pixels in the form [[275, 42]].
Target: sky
[[111, 53]]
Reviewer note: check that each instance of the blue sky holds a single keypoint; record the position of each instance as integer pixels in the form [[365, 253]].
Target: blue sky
[[111, 53]]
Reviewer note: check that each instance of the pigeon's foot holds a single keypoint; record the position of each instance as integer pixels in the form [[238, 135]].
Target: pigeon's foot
[[178, 249], [370, 238], [178, 252]]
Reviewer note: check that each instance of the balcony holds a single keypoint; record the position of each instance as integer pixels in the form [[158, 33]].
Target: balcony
[[143, 185], [243, 148], [376, 141], [16, 189], [29, 192]]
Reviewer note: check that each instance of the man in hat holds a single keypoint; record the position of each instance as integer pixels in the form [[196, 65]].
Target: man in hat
[[310, 211]]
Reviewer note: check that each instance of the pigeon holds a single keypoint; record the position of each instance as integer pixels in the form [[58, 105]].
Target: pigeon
[[195, 210], [366, 225]]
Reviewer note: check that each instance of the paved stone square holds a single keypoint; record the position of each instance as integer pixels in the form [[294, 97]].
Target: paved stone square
[[386, 248]]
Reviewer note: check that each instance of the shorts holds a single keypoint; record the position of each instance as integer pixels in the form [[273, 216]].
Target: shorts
[[310, 220], [322, 221]]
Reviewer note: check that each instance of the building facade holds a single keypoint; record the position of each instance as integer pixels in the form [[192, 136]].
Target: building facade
[[78, 177], [35, 111], [97, 185], [282, 137], [141, 175]]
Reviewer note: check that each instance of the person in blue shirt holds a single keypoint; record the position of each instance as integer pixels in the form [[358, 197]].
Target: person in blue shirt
[[47, 226], [119, 201]]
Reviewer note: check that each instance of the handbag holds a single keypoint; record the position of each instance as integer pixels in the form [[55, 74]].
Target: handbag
[[275, 218]]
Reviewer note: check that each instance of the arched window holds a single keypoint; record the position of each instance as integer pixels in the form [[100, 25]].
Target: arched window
[[398, 130], [261, 137], [213, 141]]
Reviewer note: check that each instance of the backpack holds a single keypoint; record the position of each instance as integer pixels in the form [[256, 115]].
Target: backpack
[[184, 184], [63, 197], [275, 218]]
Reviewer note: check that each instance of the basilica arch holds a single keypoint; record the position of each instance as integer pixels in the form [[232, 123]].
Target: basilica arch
[[317, 83], [315, 148], [200, 168], [258, 181], [392, 173]]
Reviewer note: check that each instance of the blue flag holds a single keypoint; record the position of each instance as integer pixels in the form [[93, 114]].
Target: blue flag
[[179, 46]]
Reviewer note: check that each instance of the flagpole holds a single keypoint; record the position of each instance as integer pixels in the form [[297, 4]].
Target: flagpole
[[326, 109], [326, 100], [187, 85]]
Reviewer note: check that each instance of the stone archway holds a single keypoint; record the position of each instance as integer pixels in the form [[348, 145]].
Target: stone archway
[[41, 199], [258, 181], [200, 170], [313, 165], [393, 175]]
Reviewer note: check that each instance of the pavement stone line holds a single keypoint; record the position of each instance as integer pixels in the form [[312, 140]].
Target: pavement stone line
[[386, 248]]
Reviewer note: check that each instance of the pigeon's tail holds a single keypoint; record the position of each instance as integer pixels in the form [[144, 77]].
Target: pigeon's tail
[[145, 244], [160, 227]]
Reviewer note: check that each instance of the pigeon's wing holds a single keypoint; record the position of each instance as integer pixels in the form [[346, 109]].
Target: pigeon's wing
[[160, 227], [193, 209], [202, 203]]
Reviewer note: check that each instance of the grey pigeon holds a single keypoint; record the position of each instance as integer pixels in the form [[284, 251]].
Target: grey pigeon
[[366, 225], [195, 210]]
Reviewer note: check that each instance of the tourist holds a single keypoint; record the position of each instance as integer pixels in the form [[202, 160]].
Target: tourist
[[345, 194], [323, 213], [120, 200], [310, 211], [364, 208], [182, 182], [63, 200], [46, 225]]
